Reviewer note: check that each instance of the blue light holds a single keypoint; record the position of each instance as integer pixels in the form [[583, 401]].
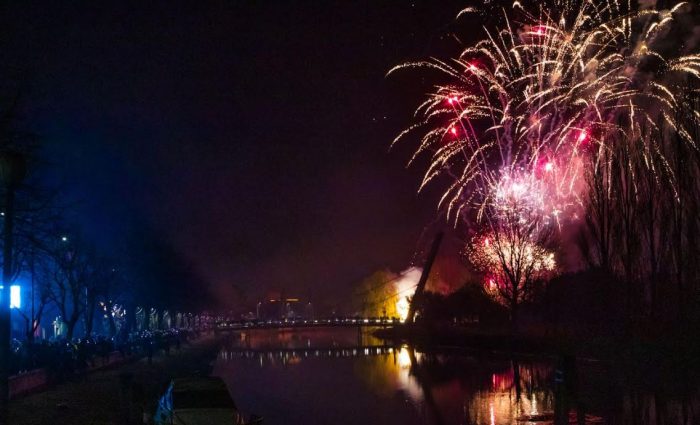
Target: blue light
[[15, 296]]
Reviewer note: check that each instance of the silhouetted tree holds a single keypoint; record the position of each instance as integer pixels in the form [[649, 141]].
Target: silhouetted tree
[[514, 252], [73, 276]]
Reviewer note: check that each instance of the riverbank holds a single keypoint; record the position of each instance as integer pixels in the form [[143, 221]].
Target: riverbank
[[645, 350], [117, 395], [429, 338]]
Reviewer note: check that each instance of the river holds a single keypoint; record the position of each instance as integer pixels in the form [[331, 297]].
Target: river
[[341, 377]]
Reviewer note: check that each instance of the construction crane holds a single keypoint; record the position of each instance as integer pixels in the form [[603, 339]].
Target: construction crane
[[415, 301]]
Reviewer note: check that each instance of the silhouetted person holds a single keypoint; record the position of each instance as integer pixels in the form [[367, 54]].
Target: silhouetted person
[[566, 391], [139, 399], [103, 349], [148, 347], [126, 395], [82, 356]]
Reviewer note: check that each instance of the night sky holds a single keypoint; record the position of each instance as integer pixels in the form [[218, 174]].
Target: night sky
[[250, 136]]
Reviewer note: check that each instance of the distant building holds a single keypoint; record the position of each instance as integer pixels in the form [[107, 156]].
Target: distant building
[[280, 308]]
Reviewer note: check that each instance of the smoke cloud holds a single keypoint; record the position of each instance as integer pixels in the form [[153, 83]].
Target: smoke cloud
[[405, 287]]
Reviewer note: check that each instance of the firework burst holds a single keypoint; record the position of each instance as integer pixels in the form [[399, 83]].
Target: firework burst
[[525, 110], [536, 104]]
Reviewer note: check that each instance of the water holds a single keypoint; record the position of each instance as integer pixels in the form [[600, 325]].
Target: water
[[337, 377]]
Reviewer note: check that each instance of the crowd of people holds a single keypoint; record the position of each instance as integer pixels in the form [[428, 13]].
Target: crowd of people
[[64, 358]]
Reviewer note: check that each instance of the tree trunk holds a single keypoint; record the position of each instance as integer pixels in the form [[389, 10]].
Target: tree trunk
[[89, 321], [89, 314], [130, 317], [36, 321], [514, 317], [70, 325], [112, 325]]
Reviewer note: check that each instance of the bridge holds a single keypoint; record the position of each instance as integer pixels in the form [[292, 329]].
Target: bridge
[[334, 322], [222, 324]]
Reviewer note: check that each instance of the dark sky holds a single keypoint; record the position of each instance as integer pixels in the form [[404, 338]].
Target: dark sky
[[251, 136]]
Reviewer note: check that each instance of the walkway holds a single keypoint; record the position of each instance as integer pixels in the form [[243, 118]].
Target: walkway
[[103, 398]]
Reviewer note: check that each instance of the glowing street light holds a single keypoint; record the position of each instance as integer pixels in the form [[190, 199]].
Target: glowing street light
[[15, 296]]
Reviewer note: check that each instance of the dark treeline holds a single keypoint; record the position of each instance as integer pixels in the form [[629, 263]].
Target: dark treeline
[[642, 225], [65, 271]]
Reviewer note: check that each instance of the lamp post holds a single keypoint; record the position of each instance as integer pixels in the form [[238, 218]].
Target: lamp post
[[31, 269], [13, 168]]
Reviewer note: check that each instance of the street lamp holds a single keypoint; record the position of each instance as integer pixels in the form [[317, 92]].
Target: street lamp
[[15, 297], [13, 168]]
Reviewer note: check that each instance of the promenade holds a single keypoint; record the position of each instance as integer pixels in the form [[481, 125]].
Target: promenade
[[116, 395]]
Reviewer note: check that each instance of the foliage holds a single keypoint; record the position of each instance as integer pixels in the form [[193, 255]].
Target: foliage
[[375, 295]]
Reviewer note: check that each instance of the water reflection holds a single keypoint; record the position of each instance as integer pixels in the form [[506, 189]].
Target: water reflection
[[341, 377]]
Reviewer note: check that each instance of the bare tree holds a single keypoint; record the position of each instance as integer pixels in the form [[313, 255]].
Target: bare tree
[[102, 288], [684, 208], [641, 214], [595, 238], [37, 216], [71, 272], [514, 252]]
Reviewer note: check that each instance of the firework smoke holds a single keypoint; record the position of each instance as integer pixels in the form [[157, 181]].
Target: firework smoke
[[405, 287]]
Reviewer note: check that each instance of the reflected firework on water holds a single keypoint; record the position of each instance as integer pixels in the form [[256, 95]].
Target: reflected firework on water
[[346, 378], [432, 388], [292, 356]]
